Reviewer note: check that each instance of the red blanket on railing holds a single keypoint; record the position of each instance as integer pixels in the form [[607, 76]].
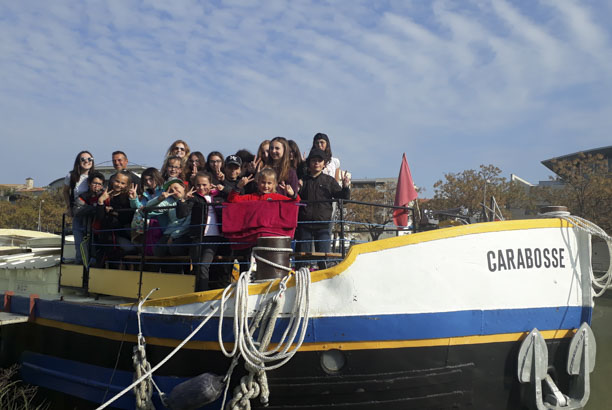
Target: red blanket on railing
[[247, 221]]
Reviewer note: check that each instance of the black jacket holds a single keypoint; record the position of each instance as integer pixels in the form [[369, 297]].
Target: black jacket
[[120, 217], [320, 188], [198, 208]]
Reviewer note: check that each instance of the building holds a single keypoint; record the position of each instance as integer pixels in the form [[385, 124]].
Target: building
[[11, 192]]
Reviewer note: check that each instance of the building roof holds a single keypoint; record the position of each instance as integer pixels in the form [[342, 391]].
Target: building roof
[[605, 151]]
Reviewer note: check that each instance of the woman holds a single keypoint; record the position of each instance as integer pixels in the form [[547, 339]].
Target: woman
[[332, 168], [76, 184], [179, 148], [279, 161], [195, 163]]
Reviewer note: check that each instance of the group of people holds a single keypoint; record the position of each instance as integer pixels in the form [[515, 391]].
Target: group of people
[[183, 200]]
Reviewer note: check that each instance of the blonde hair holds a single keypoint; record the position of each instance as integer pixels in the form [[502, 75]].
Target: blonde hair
[[174, 144], [267, 173]]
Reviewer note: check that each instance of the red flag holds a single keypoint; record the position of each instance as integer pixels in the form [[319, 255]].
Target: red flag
[[404, 194]]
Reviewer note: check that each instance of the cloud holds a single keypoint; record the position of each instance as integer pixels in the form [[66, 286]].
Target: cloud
[[432, 79]]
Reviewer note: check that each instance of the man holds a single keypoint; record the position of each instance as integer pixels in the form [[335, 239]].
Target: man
[[120, 163]]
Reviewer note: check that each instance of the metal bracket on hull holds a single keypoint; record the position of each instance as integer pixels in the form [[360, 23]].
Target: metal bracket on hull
[[542, 393]]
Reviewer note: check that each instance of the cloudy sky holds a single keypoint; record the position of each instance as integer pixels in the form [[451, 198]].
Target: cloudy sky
[[454, 84]]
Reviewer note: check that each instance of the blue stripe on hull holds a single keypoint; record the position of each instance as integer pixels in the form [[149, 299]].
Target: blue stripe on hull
[[323, 329], [94, 383]]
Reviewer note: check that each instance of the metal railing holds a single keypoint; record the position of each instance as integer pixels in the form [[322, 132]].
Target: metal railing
[[344, 232]]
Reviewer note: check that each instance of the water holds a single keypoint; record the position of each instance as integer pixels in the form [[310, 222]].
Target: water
[[601, 394]]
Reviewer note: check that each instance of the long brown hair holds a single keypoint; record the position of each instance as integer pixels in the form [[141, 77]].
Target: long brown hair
[[75, 174], [283, 165], [188, 163]]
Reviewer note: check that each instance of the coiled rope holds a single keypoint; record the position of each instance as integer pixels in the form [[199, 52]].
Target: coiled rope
[[603, 282], [258, 359], [255, 354]]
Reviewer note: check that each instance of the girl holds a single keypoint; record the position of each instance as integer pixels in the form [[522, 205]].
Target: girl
[[172, 169], [266, 188], [115, 215], [262, 151], [244, 223], [296, 159], [278, 160], [196, 162], [151, 183], [151, 187], [214, 166], [332, 167], [75, 184], [179, 148], [176, 229], [205, 231]]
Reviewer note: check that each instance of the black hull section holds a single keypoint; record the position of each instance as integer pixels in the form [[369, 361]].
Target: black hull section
[[475, 376]]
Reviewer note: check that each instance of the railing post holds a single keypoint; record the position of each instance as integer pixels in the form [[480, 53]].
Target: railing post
[[342, 246], [89, 230], [62, 251], [144, 252]]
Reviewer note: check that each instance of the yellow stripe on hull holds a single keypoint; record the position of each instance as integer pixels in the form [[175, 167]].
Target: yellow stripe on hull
[[311, 347]]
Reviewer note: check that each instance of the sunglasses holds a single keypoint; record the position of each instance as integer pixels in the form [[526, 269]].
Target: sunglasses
[[173, 167], [179, 148], [83, 159]]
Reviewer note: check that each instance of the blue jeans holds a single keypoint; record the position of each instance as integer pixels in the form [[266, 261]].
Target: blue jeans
[[322, 241], [78, 230]]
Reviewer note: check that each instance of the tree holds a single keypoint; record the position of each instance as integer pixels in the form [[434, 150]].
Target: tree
[[23, 214], [586, 189], [370, 218], [471, 189]]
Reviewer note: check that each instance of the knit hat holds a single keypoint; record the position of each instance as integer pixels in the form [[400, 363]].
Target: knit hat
[[172, 181]]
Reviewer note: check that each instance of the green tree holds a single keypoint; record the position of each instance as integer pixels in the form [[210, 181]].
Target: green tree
[[371, 219], [586, 189], [471, 189], [23, 214]]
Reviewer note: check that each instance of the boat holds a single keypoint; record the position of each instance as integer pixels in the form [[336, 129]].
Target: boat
[[483, 316]]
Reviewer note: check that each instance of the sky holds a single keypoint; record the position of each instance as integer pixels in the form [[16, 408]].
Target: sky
[[453, 84]]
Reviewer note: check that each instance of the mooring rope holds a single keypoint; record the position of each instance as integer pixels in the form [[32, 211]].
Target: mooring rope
[[603, 282]]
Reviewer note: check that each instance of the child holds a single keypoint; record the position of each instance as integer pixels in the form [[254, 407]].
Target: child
[[151, 183], [115, 215], [84, 208], [264, 213], [214, 165], [233, 169], [322, 188], [266, 188], [205, 231], [175, 233], [172, 168]]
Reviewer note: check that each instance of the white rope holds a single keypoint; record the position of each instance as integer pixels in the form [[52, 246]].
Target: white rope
[[603, 282], [244, 346], [258, 359], [267, 248], [160, 364]]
